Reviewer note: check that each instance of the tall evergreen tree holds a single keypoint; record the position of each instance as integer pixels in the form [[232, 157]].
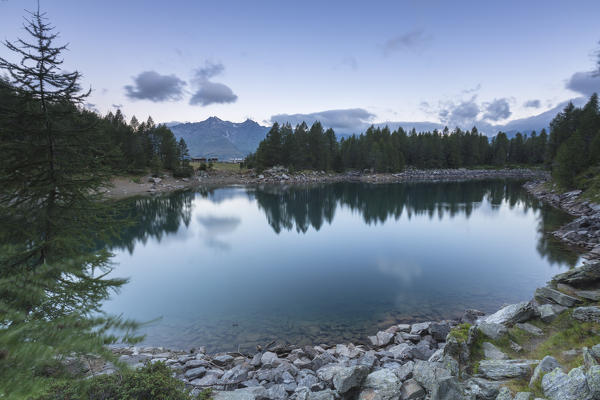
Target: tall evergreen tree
[[52, 166]]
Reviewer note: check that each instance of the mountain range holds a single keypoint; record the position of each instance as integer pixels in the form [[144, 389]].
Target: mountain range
[[227, 140]]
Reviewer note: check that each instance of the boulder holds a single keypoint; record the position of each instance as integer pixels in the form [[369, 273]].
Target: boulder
[[427, 374], [587, 314], [596, 351], [548, 364], [421, 351], [512, 314], [560, 386], [349, 377], [322, 359], [277, 392], [420, 328], [589, 360], [548, 295], [411, 390], [222, 360], [549, 312], [504, 394], [194, 373], [481, 389], [585, 276], [439, 330], [523, 396], [401, 351], [492, 352], [382, 338], [492, 330], [381, 385], [593, 381], [448, 388], [237, 374], [269, 359], [506, 369]]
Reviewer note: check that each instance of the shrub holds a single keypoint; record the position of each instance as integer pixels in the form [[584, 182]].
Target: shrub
[[153, 381]]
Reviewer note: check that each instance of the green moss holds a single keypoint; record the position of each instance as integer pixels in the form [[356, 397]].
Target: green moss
[[461, 332]]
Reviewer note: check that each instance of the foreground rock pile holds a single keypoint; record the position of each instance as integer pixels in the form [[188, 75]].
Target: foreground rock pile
[[582, 232]]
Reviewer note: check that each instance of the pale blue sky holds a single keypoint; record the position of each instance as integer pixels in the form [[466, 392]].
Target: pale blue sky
[[398, 60]]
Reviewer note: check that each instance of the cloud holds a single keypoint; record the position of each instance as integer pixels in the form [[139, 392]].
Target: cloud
[[213, 93], [351, 118], [463, 113], [117, 105], [585, 83], [412, 40], [472, 90], [532, 103], [208, 92], [150, 85], [497, 110]]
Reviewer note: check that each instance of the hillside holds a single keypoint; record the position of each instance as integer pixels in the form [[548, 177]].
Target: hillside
[[223, 139]]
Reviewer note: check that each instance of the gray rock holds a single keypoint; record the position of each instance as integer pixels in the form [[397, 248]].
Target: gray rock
[[348, 351], [560, 386], [349, 378], [196, 363], [277, 392], [593, 381], [322, 359], [439, 330], [322, 395], [194, 373], [420, 328], [587, 314], [222, 360], [492, 352], [481, 389], [547, 364], [237, 374], [531, 329], [549, 312], [405, 371], [269, 359], [506, 369], [492, 330], [504, 394], [381, 385], [427, 374], [589, 360], [447, 389], [596, 351], [471, 316], [308, 380], [421, 351], [515, 347], [411, 390], [251, 393], [407, 336], [523, 396], [437, 356], [403, 328], [327, 372], [586, 275], [382, 338], [401, 351], [546, 294], [368, 359], [512, 314]]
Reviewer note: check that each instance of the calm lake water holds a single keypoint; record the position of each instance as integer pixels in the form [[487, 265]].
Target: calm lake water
[[239, 266]]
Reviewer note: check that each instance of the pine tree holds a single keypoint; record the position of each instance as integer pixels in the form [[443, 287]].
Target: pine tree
[[53, 164]]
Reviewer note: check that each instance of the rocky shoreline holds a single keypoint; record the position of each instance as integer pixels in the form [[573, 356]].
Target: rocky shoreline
[[281, 175], [450, 360], [584, 231]]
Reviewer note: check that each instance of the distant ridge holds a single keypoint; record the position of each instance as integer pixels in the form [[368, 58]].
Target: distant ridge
[[223, 139], [227, 140]]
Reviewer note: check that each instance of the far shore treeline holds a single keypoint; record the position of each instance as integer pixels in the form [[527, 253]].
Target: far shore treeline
[[571, 148]]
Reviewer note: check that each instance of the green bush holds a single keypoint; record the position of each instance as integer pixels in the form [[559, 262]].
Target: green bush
[[153, 381]]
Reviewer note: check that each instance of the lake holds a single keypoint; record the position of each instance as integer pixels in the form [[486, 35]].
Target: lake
[[234, 267]]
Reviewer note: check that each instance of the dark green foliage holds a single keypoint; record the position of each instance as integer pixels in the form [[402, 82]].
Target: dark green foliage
[[153, 381], [54, 159], [574, 145]]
